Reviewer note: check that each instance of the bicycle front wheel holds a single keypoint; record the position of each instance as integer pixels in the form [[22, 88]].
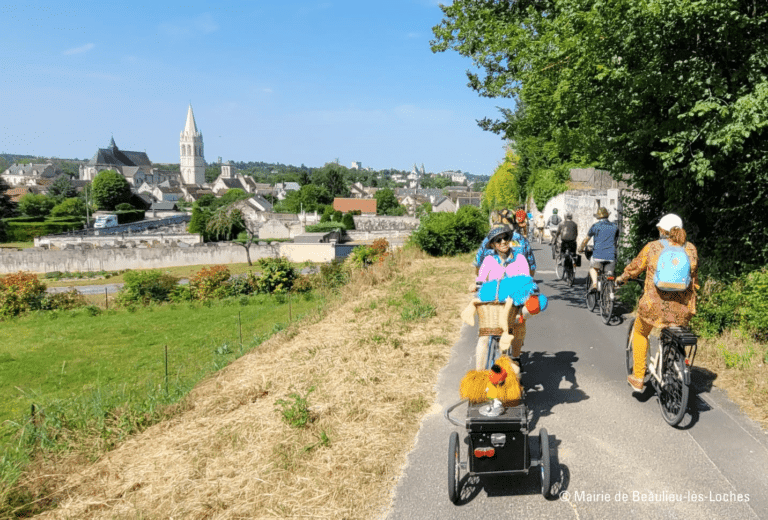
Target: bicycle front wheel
[[673, 392], [591, 296], [559, 269], [606, 301]]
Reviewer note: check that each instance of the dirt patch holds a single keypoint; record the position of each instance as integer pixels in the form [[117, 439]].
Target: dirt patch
[[367, 369]]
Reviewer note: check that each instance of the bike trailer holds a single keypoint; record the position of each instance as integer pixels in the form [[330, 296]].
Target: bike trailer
[[498, 445]]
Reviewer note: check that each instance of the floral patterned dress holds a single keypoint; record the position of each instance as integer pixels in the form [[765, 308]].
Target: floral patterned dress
[[662, 308]]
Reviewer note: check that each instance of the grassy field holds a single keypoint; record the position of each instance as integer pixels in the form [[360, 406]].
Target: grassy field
[[63, 355]]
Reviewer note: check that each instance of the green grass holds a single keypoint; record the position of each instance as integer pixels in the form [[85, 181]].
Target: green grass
[[52, 356]]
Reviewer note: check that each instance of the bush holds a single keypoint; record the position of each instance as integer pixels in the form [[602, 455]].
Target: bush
[[65, 301], [146, 287], [325, 227], [277, 275], [348, 221], [742, 303], [363, 256], [333, 275], [754, 313], [447, 234], [210, 282], [19, 293]]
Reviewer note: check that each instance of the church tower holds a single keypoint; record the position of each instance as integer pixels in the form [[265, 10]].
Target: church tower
[[192, 163]]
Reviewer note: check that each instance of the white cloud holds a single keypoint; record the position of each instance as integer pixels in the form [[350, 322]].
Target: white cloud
[[79, 50], [183, 28]]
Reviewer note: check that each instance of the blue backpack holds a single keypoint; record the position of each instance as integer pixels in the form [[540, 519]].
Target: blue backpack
[[673, 269]]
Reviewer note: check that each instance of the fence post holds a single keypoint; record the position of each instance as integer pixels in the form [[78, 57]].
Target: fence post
[[166, 369]]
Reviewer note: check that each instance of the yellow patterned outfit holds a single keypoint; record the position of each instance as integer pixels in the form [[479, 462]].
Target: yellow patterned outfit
[[659, 308]]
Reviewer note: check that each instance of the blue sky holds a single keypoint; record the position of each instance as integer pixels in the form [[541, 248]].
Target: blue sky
[[294, 82]]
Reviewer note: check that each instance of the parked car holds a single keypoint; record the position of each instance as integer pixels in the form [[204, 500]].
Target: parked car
[[105, 221]]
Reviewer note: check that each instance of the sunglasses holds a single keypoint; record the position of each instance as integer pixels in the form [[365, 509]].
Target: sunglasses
[[504, 237]]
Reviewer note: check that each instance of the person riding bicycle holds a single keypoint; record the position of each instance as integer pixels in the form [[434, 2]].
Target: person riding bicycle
[[567, 232], [605, 234], [505, 243], [658, 307], [540, 223], [552, 223], [521, 222]]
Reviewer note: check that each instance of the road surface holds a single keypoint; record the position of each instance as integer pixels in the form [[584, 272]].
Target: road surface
[[613, 456]]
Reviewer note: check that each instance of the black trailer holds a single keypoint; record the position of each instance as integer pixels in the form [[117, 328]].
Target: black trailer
[[499, 444]]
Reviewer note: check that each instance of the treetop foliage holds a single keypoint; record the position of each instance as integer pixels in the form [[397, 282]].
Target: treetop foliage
[[671, 94]]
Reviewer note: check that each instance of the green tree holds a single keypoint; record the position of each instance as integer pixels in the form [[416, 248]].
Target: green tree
[[8, 208], [233, 195], [109, 189], [36, 205], [671, 96], [503, 190], [212, 172], [386, 203], [71, 207], [309, 198], [332, 177], [228, 221], [61, 188]]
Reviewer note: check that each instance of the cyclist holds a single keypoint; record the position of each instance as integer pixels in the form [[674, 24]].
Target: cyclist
[[540, 223], [521, 221], [606, 234], [659, 308], [552, 223], [505, 243], [567, 232]]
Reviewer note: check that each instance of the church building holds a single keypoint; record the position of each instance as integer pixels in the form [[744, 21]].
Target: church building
[[192, 163]]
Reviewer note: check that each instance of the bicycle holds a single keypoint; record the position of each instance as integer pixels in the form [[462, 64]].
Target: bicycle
[[565, 268], [668, 368], [605, 294]]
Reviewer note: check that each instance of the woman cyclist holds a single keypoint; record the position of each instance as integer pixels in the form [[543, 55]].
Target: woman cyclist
[[659, 308]]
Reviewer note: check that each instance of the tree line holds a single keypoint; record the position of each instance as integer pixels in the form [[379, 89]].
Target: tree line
[[670, 96]]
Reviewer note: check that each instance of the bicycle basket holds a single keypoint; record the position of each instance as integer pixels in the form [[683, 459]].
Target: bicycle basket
[[489, 314]]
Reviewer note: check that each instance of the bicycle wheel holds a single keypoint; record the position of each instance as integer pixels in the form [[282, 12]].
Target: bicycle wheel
[[454, 468], [569, 274], [559, 269], [629, 350], [606, 301], [591, 296], [673, 392]]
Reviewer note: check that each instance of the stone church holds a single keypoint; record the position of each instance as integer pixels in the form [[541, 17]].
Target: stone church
[[138, 169]]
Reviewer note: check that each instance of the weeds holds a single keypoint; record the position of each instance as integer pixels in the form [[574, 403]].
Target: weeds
[[295, 411]]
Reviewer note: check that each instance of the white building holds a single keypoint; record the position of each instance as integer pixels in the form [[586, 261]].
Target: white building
[[192, 163]]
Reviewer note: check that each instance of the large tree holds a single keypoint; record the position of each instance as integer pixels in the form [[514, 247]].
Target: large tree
[[503, 190], [670, 95], [109, 189], [332, 177]]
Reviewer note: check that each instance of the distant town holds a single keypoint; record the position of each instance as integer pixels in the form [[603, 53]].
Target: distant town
[[165, 189]]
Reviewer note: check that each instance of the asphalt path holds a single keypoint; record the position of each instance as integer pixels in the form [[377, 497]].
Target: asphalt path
[[612, 454]]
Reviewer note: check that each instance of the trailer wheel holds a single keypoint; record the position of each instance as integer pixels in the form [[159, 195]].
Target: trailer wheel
[[544, 461], [454, 467]]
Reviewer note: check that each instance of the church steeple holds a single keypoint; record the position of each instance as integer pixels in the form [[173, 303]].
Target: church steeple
[[192, 163], [191, 126]]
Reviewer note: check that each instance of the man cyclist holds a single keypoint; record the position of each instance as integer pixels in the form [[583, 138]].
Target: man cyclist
[[567, 232], [606, 234], [552, 223]]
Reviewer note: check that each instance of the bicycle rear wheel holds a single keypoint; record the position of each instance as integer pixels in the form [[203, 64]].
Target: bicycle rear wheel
[[559, 269], [673, 392], [569, 274], [606, 301], [591, 296]]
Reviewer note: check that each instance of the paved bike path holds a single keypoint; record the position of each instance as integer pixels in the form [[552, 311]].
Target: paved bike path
[[612, 453]]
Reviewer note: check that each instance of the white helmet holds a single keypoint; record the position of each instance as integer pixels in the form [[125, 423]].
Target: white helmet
[[670, 221]]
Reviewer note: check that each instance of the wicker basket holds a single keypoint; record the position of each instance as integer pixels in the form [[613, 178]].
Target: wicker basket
[[489, 314]]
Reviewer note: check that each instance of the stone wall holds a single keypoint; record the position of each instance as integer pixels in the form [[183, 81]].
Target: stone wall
[[156, 257], [380, 223], [583, 204], [58, 242]]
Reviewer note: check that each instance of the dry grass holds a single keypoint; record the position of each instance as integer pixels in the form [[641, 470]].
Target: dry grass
[[372, 359], [741, 368]]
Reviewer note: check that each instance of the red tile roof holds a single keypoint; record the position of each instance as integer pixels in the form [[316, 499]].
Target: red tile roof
[[366, 206]]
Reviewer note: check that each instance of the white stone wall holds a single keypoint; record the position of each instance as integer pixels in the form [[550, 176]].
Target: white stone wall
[[115, 259]]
